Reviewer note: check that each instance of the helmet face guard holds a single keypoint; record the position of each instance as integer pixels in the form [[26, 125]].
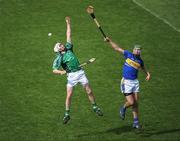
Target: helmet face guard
[[137, 49]]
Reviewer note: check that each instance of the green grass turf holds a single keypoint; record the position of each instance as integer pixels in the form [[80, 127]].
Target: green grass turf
[[165, 9], [32, 98]]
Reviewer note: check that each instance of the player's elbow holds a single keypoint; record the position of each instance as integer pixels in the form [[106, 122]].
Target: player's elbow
[[117, 49], [68, 33]]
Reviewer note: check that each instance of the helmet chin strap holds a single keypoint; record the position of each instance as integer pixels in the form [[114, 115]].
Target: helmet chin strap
[[137, 55]]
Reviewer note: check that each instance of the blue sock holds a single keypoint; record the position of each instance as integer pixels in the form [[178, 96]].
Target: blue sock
[[136, 121], [124, 108]]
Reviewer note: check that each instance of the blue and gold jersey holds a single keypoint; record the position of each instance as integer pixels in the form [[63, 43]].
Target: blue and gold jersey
[[131, 66]]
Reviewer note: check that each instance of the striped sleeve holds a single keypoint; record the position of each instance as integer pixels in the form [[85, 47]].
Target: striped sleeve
[[57, 63], [69, 46], [126, 53]]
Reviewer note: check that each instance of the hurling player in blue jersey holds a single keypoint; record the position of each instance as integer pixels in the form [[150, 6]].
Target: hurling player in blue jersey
[[129, 82]]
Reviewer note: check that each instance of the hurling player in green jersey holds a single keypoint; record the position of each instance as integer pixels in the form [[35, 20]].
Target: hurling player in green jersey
[[66, 59]]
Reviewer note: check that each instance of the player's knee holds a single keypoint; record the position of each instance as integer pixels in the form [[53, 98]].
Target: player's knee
[[89, 91], [131, 102]]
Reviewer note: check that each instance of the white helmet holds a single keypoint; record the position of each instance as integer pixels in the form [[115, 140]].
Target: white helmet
[[57, 47]]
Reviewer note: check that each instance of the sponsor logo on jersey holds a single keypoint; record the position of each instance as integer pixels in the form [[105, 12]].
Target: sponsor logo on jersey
[[132, 63]]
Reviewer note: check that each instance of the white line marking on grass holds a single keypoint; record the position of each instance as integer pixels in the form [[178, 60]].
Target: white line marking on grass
[[156, 15]]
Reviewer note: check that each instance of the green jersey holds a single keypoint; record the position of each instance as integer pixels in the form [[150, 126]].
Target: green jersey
[[68, 61]]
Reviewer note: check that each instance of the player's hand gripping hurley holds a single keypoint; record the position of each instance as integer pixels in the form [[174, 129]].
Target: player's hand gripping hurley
[[90, 10]]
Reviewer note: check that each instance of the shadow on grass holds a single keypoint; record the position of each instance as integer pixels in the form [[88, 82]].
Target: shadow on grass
[[148, 133], [142, 132], [119, 131], [125, 129]]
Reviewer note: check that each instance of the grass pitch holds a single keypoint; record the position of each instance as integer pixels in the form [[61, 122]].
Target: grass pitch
[[32, 98]]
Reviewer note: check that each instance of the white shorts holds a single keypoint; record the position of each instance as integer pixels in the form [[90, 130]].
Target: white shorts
[[129, 86], [76, 77]]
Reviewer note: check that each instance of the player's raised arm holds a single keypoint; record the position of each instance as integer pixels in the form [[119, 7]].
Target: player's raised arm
[[114, 45], [68, 31]]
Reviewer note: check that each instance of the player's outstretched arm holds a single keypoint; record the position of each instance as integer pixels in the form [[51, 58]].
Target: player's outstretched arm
[[148, 75], [68, 30], [114, 45]]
